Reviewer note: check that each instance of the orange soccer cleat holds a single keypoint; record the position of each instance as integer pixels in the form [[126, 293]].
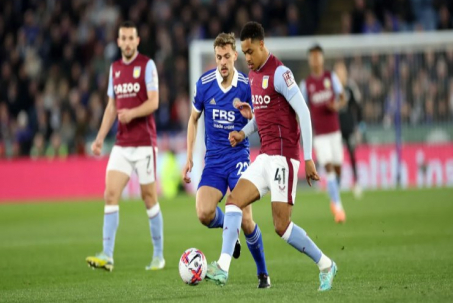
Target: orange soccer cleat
[[338, 213]]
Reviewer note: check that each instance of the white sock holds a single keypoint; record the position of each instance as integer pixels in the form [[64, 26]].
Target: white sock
[[224, 262], [324, 263]]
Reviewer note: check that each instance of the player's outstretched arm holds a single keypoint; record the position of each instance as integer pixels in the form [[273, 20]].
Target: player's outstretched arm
[[145, 109], [191, 136], [107, 122]]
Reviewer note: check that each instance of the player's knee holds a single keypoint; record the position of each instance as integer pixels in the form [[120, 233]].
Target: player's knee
[[149, 198], [280, 227], [111, 197], [205, 216], [231, 200]]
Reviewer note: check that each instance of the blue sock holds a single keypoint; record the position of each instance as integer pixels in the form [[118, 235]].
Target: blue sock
[[217, 222], [333, 188], [298, 238], [156, 225], [255, 245], [231, 229], [111, 220]]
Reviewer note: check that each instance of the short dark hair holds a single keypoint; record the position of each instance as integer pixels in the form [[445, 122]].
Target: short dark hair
[[128, 24], [252, 30], [315, 47]]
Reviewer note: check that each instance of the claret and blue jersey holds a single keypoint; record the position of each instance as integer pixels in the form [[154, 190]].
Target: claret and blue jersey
[[221, 118]]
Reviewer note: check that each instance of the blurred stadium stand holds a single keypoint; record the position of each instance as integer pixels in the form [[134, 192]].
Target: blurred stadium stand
[[54, 58]]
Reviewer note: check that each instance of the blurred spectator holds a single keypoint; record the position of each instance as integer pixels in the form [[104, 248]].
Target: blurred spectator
[[371, 25], [56, 148], [38, 150], [358, 16], [445, 20]]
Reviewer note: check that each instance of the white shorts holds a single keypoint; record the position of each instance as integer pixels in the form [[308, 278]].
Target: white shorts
[[329, 148], [277, 174], [142, 159]]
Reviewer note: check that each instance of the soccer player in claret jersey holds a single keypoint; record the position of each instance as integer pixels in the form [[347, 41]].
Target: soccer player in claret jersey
[[277, 101], [321, 90], [133, 97], [215, 93]]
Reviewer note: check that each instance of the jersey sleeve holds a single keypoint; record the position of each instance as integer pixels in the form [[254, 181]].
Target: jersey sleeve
[[110, 91], [197, 102], [284, 82], [151, 78], [303, 89], [336, 84]]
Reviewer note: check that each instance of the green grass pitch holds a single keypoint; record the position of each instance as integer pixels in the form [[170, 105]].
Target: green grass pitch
[[396, 246]]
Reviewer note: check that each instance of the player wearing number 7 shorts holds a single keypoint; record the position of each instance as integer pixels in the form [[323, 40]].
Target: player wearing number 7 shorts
[[215, 93], [133, 97], [277, 102]]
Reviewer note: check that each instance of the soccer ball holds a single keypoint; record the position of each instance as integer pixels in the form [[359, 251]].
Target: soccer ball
[[192, 266]]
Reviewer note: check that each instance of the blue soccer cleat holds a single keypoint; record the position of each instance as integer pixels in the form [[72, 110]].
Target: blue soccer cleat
[[216, 274], [326, 277]]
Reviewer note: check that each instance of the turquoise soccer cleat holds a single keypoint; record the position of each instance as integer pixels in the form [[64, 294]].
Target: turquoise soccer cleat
[[326, 277], [216, 274]]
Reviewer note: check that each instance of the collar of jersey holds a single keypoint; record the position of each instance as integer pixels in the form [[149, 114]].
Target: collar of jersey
[[264, 62], [219, 78], [132, 60]]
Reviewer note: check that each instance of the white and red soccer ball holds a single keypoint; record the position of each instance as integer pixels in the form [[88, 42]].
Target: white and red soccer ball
[[192, 266]]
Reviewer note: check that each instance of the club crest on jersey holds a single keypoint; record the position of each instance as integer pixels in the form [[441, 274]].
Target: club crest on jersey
[[326, 83], [289, 78], [265, 83], [137, 70]]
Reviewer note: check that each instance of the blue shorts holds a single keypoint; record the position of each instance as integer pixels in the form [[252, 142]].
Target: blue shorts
[[223, 177]]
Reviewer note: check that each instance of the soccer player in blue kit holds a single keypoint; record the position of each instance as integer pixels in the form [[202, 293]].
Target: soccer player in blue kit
[[215, 93]]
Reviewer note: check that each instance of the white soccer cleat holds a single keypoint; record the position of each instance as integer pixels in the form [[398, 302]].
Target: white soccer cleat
[[357, 191], [156, 264]]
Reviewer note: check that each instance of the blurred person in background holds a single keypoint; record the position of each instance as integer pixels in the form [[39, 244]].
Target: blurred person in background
[[133, 98], [56, 148], [325, 96], [350, 119], [38, 150]]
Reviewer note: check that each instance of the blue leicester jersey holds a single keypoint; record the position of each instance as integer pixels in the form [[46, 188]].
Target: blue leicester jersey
[[221, 117]]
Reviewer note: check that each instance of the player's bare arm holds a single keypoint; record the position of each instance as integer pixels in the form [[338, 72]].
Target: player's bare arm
[[191, 136], [107, 122], [126, 115], [336, 106]]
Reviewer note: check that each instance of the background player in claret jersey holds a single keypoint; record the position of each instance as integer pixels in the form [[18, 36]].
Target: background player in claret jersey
[[324, 94], [133, 97], [215, 92], [277, 101], [351, 122]]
